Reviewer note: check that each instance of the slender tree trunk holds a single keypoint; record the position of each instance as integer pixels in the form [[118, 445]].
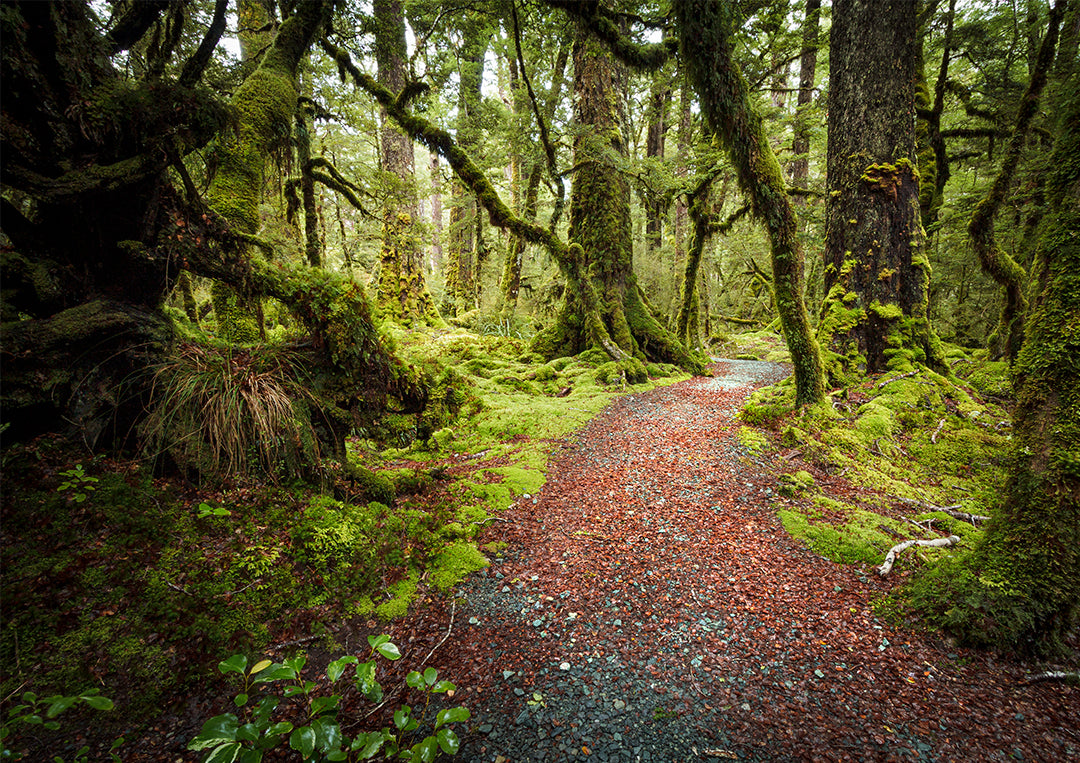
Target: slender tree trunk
[[312, 243], [800, 145], [436, 215], [461, 264], [877, 273], [656, 131], [402, 292], [515, 256], [705, 30], [997, 263], [685, 139]]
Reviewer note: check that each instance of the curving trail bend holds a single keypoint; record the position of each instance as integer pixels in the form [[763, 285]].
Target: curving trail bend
[[651, 607]]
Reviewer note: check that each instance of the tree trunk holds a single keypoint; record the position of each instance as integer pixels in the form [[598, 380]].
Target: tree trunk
[[800, 145], [436, 216], [462, 269], [997, 263], [402, 291], [600, 223], [877, 272], [1021, 587], [515, 255], [705, 30]]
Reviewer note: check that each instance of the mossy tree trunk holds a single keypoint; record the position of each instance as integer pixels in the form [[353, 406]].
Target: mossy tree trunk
[[877, 273], [462, 262], [997, 263], [1021, 585], [402, 290], [800, 144], [600, 223], [705, 30]]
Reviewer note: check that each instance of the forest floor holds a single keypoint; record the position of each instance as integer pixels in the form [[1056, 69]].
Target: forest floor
[[649, 606]]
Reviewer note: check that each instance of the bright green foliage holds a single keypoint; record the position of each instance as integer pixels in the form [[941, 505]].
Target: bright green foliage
[[78, 483], [278, 690], [31, 712], [455, 562]]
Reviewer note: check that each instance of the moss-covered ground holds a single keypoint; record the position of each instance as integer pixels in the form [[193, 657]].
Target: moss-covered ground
[[870, 467], [138, 584]]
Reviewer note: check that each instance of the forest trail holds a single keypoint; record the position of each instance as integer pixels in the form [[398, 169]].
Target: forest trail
[[651, 607]]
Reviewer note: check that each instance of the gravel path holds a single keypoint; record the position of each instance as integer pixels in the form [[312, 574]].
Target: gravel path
[[650, 607]]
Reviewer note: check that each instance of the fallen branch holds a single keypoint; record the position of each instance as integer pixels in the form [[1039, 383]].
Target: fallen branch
[[933, 437], [896, 378], [953, 510], [890, 558], [1055, 675]]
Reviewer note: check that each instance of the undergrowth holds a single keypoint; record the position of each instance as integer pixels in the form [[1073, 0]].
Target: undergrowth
[[116, 578], [882, 457]]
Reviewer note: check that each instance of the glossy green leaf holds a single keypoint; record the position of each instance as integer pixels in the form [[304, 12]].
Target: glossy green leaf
[[240, 700], [389, 651], [452, 715], [448, 741], [98, 703], [220, 728], [235, 664], [226, 753], [336, 669], [414, 680], [327, 733], [247, 733], [302, 740], [428, 749], [430, 676]]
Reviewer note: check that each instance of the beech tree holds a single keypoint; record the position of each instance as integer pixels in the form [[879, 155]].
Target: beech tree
[[877, 272], [600, 223], [402, 290]]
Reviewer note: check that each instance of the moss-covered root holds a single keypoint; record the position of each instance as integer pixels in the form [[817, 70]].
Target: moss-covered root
[[705, 36], [1021, 586]]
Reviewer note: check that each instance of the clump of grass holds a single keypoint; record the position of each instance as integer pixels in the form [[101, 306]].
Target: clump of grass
[[232, 411]]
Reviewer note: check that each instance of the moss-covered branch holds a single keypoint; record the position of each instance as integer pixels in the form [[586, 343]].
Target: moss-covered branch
[[569, 257], [997, 263], [705, 29]]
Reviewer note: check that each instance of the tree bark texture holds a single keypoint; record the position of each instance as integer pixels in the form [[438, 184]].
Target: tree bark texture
[[1026, 572], [705, 30], [462, 266], [402, 290], [877, 272], [800, 145]]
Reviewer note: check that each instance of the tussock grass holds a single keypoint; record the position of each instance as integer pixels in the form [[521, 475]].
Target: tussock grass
[[232, 411]]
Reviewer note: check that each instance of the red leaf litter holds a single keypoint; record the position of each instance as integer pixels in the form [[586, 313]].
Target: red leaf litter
[[651, 607]]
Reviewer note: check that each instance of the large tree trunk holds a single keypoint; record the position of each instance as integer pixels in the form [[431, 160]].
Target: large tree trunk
[[705, 34], [877, 272], [600, 222], [402, 291]]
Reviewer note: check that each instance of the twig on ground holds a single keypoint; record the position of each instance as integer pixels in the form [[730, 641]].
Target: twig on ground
[[1069, 677], [896, 378], [890, 558], [952, 510], [393, 693], [294, 642], [933, 437]]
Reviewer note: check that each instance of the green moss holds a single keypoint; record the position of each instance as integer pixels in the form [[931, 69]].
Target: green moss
[[521, 481], [401, 595], [455, 562], [791, 485], [753, 440]]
